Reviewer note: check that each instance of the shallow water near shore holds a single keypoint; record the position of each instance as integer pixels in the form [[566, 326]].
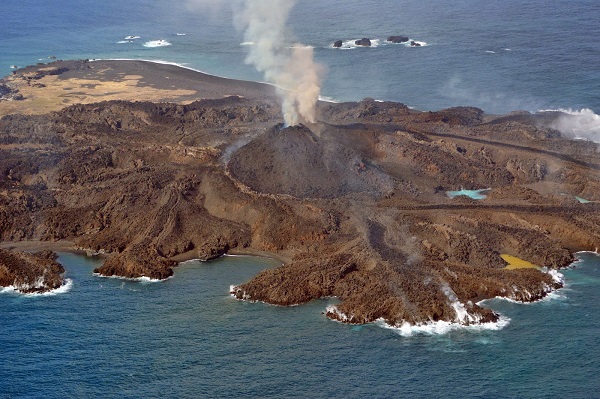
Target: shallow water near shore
[[187, 337]]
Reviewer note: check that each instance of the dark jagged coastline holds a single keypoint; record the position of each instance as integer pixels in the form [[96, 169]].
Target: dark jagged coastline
[[354, 203], [30, 273]]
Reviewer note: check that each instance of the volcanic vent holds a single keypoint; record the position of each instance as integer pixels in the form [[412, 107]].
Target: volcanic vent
[[295, 161]]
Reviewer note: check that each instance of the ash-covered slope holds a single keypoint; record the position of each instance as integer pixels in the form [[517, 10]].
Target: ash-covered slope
[[297, 162], [355, 204]]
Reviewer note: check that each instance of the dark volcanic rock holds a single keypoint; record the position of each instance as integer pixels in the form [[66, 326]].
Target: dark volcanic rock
[[397, 39], [415, 44], [135, 262], [8, 93], [365, 42], [297, 162], [355, 203], [337, 44], [30, 273]]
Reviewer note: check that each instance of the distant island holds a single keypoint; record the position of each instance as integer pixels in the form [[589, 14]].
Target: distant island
[[151, 164]]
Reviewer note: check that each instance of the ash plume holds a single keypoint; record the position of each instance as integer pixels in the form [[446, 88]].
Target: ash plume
[[290, 67]]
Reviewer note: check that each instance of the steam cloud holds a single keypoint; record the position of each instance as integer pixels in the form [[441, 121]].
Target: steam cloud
[[583, 124], [291, 68]]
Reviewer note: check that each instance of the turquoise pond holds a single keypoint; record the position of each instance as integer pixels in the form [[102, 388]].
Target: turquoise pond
[[582, 200], [473, 194]]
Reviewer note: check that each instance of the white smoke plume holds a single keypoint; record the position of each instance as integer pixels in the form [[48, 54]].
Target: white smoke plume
[[291, 67]]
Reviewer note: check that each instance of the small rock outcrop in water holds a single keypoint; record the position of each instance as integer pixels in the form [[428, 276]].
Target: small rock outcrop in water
[[338, 44], [135, 262], [365, 42], [397, 39], [30, 273], [415, 44]]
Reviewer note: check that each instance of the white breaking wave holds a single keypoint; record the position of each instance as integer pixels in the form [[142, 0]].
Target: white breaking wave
[[442, 327], [142, 279], [157, 43], [66, 287], [409, 43], [302, 46], [351, 44], [328, 99], [420, 44], [234, 290], [556, 275], [583, 124], [341, 315], [247, 44], [551, 293], [433, 327]]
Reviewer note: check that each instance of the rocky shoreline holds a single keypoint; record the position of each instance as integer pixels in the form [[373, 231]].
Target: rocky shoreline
[[355, 203], [30, 273]]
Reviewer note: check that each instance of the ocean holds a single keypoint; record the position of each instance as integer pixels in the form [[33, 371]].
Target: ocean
[[187, 338], [497, 55]]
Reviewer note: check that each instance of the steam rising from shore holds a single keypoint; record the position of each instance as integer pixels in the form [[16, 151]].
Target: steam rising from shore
[[291, 68], [583, 124]]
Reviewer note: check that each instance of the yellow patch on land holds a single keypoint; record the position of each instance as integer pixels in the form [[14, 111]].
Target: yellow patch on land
[[517, 263], [57, 93]]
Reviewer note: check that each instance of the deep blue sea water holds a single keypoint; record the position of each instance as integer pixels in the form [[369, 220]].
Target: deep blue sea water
[[496, 55], [186, 337]]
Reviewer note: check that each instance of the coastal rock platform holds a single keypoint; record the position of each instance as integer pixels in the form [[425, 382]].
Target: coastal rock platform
[[354, 204], [30, 273]]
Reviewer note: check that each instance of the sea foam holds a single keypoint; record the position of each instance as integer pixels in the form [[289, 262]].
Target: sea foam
[[433, 327], [157, 43], [442, 327], [329, 99], [142, 279], [351, 44], [420, 43], [66, 287]]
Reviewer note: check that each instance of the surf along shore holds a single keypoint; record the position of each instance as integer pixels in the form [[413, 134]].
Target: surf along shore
[[154, 164]]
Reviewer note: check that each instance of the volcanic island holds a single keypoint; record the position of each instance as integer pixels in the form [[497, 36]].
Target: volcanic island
[[355, 205]]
